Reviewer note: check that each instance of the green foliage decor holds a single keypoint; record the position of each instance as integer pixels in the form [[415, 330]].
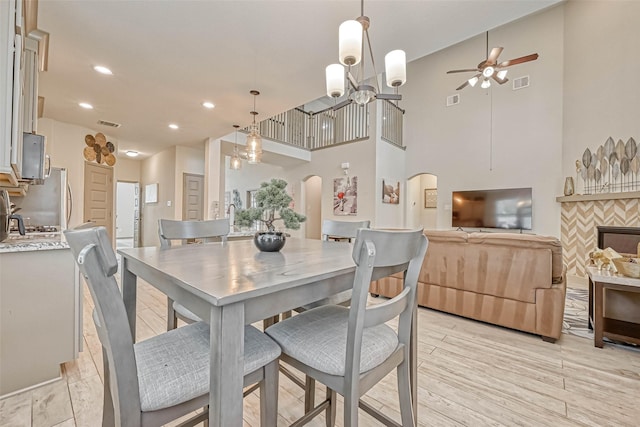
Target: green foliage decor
[[271, 200]]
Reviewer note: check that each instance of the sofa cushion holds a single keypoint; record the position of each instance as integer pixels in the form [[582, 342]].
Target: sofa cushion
[[506, 272], [529, 241], [446, 236]]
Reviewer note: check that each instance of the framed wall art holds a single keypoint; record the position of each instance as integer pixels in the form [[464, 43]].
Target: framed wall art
[[430, 197], [151, 193], [390, 192], [345, 195]]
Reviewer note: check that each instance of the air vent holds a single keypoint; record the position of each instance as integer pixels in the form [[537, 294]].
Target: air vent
[[453, 100], [110, 124], [520, 82]]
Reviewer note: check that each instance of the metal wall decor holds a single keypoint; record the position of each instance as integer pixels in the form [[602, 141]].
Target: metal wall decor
[[611, 168]]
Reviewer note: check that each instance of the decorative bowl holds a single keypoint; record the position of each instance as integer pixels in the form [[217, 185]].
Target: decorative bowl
[[629, 267], [269, 241]]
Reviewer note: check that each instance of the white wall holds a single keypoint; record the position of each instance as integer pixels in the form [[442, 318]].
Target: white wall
[[188, 160], [496, 138], [157, 169], [249, 178], [326, 163], [428, 216], [390, 166], [601, 84]]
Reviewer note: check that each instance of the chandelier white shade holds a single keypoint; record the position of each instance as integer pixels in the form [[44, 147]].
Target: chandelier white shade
[[350, 42], [335, 80], [353, 35], [395, 64], [473, 80], [502, 74], [485, 84]]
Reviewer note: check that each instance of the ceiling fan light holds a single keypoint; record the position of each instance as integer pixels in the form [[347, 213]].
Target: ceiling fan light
[[488, 71], [350, 42], [502, 74], [335, 80], [395, 63], [485, 84], [473, 80]]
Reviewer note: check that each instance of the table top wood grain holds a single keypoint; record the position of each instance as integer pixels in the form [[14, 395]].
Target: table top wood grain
[[225, 273]]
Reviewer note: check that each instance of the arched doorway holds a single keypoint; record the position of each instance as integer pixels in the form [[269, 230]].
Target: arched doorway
[[312, 199], [421, 199]]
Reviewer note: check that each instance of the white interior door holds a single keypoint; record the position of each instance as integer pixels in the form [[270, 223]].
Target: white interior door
[[125, 209]]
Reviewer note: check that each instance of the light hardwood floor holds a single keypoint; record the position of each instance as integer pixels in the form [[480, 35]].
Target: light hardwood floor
[[470, 374]]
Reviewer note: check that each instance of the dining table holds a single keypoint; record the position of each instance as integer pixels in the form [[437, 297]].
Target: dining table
[[232, 284]]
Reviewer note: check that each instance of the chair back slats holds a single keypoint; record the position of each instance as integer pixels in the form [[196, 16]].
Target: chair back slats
[[342, 229], [388, 252], [169, 229], [390, 309], [91, 248]]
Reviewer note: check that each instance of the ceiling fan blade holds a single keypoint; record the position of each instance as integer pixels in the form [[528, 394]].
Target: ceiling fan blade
[[500, 81], [493, 56], [520, 60], [389, 96], [462, 71], [463, 85]]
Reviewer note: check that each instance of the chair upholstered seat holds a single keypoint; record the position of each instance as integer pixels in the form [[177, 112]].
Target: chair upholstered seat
[[174, 367], [318, 338]]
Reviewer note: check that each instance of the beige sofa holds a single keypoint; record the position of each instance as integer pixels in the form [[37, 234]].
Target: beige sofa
[[512, 280]]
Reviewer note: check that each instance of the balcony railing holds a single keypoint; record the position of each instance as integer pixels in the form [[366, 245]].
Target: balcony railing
[[329, 127]]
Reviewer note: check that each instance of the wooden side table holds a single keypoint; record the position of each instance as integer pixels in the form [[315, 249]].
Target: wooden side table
[[614, 329]]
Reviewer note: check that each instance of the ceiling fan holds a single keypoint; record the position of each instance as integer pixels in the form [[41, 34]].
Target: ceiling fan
[[490, 68]]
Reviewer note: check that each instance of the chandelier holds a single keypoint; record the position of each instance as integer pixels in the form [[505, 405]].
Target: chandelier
[[254, 140], [352, 37]]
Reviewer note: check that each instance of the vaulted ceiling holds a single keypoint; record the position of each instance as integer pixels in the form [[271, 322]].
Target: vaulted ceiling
[[167, 57]]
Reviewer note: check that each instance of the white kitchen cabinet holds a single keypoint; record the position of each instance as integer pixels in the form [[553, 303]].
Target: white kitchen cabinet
[[11, 89], [40, 303]]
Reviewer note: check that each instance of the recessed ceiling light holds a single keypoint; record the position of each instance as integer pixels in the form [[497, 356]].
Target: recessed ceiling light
[[85, 105], [103, 70], [173, 126], [208, 105], [132, 153]]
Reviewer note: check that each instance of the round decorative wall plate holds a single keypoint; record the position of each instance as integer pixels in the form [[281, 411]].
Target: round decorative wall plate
[[98, 149]]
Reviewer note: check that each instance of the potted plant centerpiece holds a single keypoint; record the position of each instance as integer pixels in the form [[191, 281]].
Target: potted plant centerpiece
[[272, 203]]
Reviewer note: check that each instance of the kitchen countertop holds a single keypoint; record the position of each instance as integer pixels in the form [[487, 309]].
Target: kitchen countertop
[[33, 242]]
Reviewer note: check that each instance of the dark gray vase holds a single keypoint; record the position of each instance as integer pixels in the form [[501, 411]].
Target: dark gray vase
[[269, 241]]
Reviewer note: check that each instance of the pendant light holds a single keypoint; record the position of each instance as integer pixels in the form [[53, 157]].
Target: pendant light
[[236, 161], [254, 140]]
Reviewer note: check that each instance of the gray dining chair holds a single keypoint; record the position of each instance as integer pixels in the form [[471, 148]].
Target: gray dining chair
[[170, 229], [352, 349], [155, 381], [338, 231]]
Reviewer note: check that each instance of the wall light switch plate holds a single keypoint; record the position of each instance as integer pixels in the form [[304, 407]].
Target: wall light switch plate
[[169, 203]]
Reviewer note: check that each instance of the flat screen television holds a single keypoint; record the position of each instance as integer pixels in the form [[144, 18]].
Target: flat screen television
[[507, 208]]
